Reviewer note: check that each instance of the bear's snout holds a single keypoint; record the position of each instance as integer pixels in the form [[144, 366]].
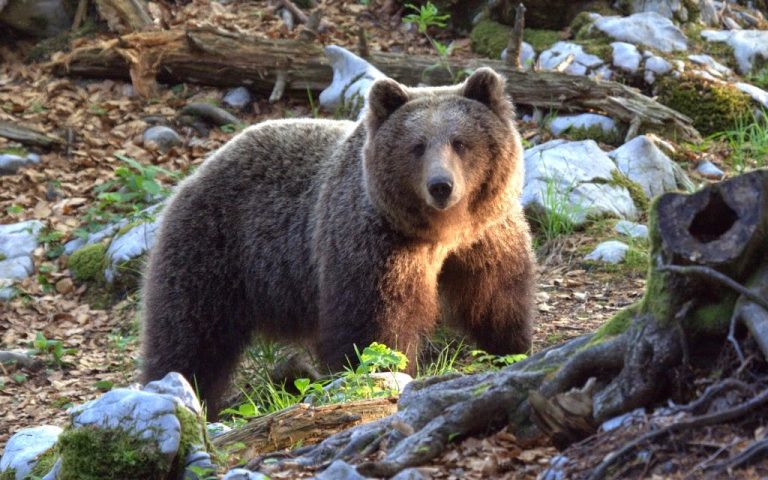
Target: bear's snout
[[440, 189]]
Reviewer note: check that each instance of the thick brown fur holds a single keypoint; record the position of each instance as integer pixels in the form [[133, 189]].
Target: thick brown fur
[[325, 232]]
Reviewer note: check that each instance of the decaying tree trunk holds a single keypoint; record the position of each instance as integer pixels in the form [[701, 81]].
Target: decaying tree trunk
[[304, 424], [218, 58], [707, 267], [28, 136]]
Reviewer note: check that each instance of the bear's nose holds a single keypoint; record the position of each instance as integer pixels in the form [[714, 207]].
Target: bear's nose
[[440, 188]]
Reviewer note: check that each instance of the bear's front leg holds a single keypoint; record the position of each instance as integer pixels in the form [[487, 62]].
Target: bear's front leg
[[390, 298], [487, 289]]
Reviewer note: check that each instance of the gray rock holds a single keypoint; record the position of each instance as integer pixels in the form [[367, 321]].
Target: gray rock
[[352, 78], [647, 28], [198, 461], [7, 292], [54, 473], [216, 428], [39, 18], [758, 94], [601, 73], [555, 470], [671, 9], [645, 164], [631, 229], [655, 66], [527, 55], [176, 385], [25, 446], [749, 46], [622, 420], [238, 98], [708, 14], [243, 474], [148, 416], [713, 66], [19, 239], [561, 123], [9, 163], [17, 268], [626, 56], [410, 474], [340, 470], [555, 55], [709, 170], [611, 251], [76, 244], [133, 243], [164, 137], [578, 175]]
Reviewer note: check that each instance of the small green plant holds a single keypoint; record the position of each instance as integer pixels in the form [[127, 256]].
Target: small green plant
[[14, 209], [51, 239], [483, 361], [558, 216], [53, 348], [134, 187], [748, 142], [425, 17]]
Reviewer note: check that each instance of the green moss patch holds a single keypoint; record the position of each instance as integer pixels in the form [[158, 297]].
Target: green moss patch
[[713, 107], [618, 324], [88, 263], [90, 453], [489, 38], [636, 192], [594, 132], [541, 40]]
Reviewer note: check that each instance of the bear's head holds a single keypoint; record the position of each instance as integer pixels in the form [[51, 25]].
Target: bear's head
[[442, 163]]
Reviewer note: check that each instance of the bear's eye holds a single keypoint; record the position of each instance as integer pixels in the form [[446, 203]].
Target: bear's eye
[[419, 149], [459, 146]]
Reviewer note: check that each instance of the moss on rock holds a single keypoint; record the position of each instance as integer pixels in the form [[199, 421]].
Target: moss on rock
[[489, 38], [90, 453], [636, 192], [88, 263], [713, 106]]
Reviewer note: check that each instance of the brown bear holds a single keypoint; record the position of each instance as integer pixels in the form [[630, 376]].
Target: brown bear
[[338, 234]]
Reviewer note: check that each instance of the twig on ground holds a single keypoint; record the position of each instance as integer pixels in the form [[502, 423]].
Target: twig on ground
[[713, 390], [712, 419], [297, 13], [753, 453]]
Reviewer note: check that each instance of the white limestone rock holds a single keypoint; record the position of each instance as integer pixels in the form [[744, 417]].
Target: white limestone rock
[[243, 474], [25, 447], [645, 164], [576, 176], [19, 239], [165, 138], [561, 123], [612, 252], [646, 28], [10, 163], [352, 78], [626, 56], [655, 66], [133, 243], [709, 170], [17, 268], [758, 94], [713, 66], [176, 385], [555, 55], [631, 229], [749, 46]]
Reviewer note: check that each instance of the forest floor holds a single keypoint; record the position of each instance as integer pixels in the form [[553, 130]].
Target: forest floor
[[103, 120]]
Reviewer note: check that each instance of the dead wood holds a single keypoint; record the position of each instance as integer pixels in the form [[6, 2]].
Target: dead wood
[[516, 38], [218, 58], [28, 135], [305, 424], [20, 359], [124, 16]]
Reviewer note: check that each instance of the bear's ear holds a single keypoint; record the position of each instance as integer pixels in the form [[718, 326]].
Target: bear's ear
[[385, 97], [487, 87]]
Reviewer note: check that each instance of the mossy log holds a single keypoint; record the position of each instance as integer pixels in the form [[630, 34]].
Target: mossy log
[[213, 57], [304, 424], [637, 359]]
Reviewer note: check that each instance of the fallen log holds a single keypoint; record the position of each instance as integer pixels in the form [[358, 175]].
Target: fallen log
[[641, 355], [28, 135], [304, 424], [213, 57]]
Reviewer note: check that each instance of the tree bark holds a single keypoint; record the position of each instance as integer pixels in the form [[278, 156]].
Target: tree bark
[[28, 136], [706, 259], [218, 58]]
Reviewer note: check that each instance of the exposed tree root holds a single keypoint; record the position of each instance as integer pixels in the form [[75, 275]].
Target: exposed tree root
[[705, 420]]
